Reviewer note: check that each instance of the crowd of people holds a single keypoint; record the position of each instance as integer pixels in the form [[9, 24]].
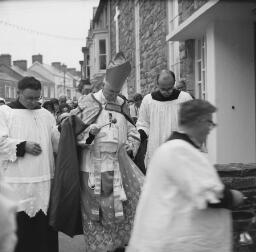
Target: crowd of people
[[128, 175]]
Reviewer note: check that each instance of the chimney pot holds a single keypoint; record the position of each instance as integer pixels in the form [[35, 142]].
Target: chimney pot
[[6, 59], [38, 58]]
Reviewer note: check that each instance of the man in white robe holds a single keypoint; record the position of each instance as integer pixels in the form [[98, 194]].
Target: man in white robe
[[27, 164], [184, 206], [8, 206], [158, 115]]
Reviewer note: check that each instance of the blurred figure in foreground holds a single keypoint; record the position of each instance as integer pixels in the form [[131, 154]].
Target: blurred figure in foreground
[[184, 206], [8, 208], [2, 101]]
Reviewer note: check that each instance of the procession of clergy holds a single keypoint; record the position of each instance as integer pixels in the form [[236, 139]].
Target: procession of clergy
[[87, 176]]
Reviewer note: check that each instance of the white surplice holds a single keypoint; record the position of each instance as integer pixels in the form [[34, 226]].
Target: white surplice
[[158, 119], [173, 213], [30, 176]]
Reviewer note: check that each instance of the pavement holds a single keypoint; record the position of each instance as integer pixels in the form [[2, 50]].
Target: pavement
[[68, 244]]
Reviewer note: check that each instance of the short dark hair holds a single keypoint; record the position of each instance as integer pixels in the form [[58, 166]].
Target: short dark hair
[[54, 101], [48, 104], [137, 97], [64, 105], [192, 110], [167, 71], [29, 82]]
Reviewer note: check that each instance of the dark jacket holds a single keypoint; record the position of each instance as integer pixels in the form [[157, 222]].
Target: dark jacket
[[65, 207]]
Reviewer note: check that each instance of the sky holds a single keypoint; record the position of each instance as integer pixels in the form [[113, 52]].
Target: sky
[[57, 29]]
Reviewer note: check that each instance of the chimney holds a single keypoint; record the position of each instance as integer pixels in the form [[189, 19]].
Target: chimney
[[22, 64], [63, 67], [94, 9], [38, 58], [57, 65], [6, 59], [81, 62], [85, 49]]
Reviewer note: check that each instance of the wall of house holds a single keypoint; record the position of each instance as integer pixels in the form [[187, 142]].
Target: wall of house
[[187, 48], [126, 36], [231, 86], [153, 45]]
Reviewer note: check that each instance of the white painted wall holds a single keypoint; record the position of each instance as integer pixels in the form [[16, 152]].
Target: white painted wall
[[231, 82], [210, 87]]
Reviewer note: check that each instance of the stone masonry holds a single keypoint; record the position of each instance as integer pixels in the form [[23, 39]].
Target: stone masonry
[[153, 46]]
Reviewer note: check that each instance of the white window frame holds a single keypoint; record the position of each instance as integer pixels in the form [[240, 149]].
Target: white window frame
[[173, 46], [200, 68], [8, 91]]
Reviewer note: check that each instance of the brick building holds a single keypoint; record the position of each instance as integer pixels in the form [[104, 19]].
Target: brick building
[[208, 43], [138, 28]]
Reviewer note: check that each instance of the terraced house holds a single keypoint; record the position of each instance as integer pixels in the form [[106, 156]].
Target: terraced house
[[209, 44]]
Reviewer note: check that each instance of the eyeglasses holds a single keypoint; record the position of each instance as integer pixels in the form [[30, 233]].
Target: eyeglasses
[[212, 124], [31, 99]]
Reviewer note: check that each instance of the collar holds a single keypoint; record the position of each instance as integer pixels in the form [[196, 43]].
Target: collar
[[104, 101], [185, 137], [159, 97], [17, 105]]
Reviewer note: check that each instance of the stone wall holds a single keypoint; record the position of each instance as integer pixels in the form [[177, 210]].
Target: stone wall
[[187, 48], [153, 46], [127, 39]]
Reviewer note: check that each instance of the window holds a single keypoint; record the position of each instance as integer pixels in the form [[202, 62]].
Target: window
[[11, 92], [200, 68], [102, 54], [7, 91], [51, 92], [14, 92], [174, 55], [45, 91]]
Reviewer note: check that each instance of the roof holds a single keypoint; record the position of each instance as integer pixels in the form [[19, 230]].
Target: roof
[[99, 10], [5, 76], [29, 73]]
